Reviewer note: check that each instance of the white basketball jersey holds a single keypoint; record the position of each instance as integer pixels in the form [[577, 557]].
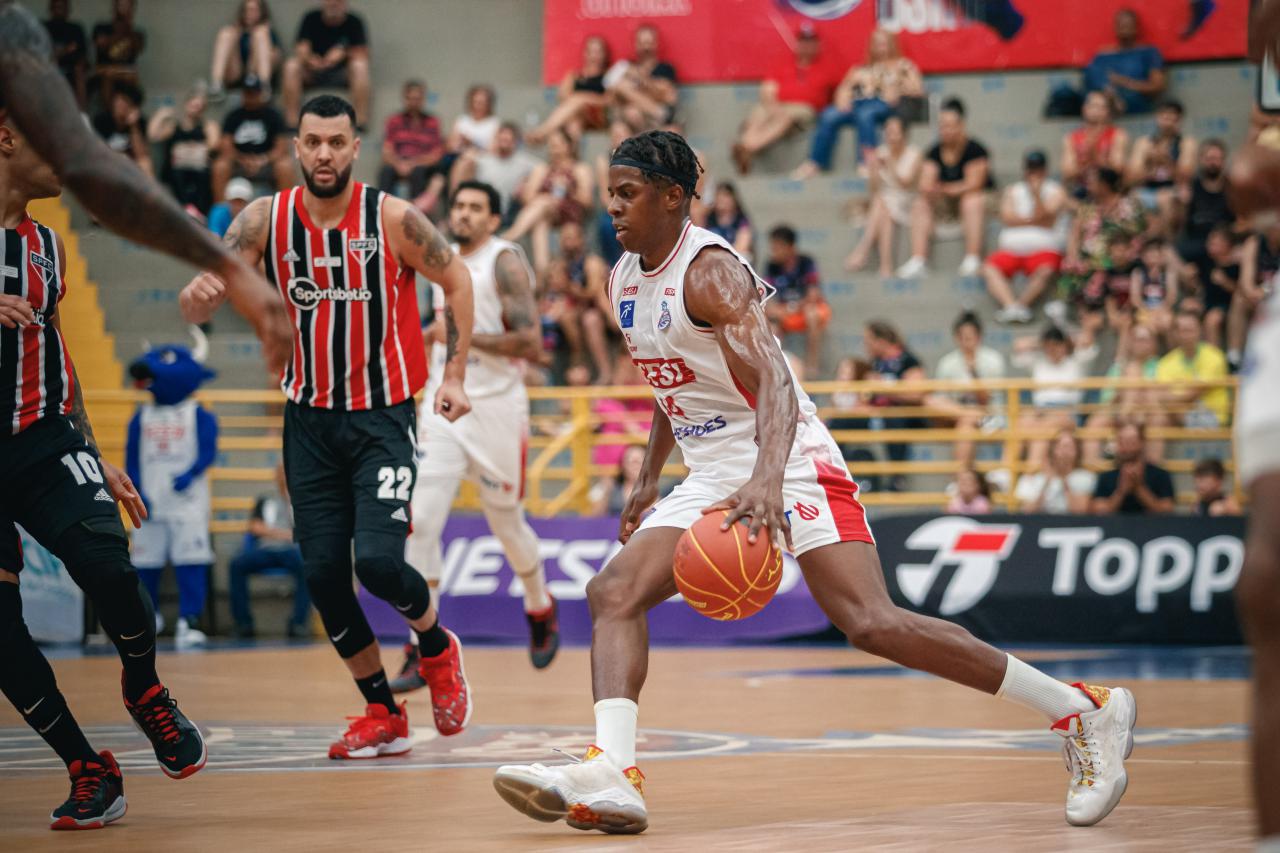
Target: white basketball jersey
[[487, 374], [712, 413], [168, 446]]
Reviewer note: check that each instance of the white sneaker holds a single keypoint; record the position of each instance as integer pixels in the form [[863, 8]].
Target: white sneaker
[[186, 637], [592, 794], [913, 268], [1014, 313], [1095, 745], [970, 266]]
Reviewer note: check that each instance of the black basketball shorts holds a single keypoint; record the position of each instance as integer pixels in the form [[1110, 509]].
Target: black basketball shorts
[[350, 471], [50, 479]]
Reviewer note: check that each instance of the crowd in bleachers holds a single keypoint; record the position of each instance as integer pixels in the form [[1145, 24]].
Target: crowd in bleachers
[[1127, 248]]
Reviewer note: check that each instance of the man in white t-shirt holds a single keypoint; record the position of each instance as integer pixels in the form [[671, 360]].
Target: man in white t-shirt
[[1030, 242], [504, 168]]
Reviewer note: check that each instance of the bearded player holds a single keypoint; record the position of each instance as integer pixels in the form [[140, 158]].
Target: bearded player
[[344, 255], [36, 95], [59, 489], [488, 445], [691, 310]]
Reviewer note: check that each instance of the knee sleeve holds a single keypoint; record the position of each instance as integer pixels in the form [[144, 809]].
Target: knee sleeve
[[25, 676], [518, 539], [96, 555], [382, 570], [327, 568]]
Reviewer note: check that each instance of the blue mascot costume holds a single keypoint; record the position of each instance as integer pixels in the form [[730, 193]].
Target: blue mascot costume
[[170, 446]]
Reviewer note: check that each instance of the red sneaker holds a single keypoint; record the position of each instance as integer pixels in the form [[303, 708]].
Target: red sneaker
[[379, 732], [450, 696]]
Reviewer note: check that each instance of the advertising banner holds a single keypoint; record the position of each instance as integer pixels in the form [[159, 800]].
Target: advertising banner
[[1063, 579], [482, 597], [712, 41], [52, 604]]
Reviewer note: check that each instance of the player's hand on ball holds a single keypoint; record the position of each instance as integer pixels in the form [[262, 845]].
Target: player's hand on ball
[[123, 490], [15, 311], [451, 400], [643, 495], [761, 501]]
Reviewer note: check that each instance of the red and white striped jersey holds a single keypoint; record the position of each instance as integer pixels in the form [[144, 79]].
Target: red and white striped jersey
[[36, 376], [357, 341]]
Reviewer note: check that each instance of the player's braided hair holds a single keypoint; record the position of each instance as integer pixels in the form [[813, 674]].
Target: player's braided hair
[[663, 157]]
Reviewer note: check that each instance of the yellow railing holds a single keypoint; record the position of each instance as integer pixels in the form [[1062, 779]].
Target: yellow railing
[[560, 470]]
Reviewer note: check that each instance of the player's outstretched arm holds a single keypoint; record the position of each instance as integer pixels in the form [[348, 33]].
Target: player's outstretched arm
[[249, 294], [419, 246], [111, 187], [720, 293], [643, 494], [519, 312]]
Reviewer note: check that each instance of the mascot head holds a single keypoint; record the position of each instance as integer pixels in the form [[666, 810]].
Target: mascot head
[[171, 372]]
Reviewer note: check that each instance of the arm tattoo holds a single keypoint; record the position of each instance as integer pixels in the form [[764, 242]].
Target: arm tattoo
[[418, 230], [246, 230], [519, 312], [450, 335], [79, 417], [111, 187]]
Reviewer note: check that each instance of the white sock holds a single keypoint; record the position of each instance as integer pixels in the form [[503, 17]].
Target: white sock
[[616, 730], [536, 598], [1031, 688]]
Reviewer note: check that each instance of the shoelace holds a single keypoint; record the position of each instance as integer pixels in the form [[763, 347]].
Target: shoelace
[[1083, 760], [361, 726], [85, 787], [158, 717]]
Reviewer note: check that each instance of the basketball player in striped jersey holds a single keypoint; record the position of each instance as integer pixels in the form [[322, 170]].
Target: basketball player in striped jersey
[[34, 94], [488, 445], [58, 488], [692, 312], [344, 256]]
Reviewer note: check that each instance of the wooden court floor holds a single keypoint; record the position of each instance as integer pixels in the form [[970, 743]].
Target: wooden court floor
[[748, 749]]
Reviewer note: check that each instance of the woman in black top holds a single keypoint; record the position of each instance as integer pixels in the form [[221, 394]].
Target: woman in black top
[[581, 96]]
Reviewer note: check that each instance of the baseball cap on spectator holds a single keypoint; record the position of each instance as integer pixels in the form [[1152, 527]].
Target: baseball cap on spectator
[[252, 82], [239, 188], [1035, 160]]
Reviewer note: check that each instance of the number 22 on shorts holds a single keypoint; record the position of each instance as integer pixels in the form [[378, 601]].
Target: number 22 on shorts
[[394, 484]]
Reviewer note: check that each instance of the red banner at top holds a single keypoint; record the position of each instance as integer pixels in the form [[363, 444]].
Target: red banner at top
[[712, 41]]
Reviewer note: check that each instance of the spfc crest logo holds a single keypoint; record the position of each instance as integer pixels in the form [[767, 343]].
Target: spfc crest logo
[[362, 248]]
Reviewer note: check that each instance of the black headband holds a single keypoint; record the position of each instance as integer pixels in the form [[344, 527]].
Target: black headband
[[654, 169]]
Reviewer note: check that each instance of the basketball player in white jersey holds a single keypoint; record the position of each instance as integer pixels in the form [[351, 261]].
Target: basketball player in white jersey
[[487, 445], [1253, 186], [691, 312]]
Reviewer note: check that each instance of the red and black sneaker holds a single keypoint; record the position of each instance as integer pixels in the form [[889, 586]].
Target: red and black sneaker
[[544, 635], [450, 696], [176, 740], [97, 795], [378, 732], [409, 679]]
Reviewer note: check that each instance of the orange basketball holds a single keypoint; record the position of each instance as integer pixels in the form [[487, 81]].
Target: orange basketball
[[722, 575]]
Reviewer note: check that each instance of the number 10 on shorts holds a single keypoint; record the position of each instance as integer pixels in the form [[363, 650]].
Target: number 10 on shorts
[[394, 484], [83, 467]]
